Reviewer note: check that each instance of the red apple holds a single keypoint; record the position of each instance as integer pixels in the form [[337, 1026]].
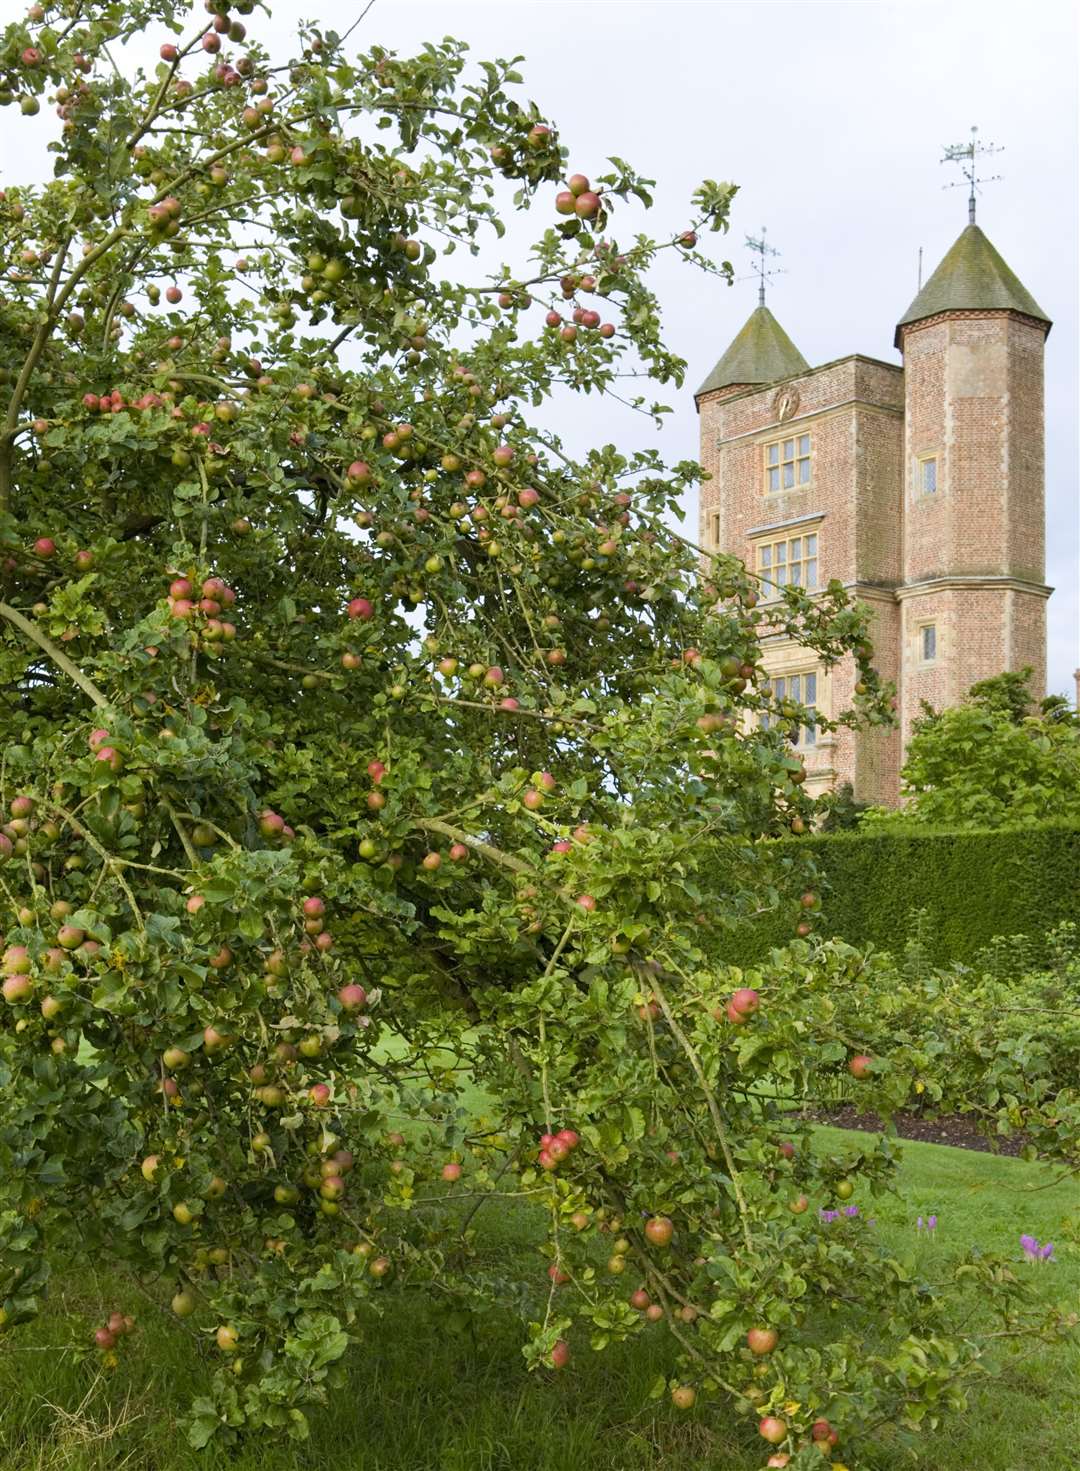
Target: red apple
[[659, 1230], [859, 1067], [762, 1340], [772, 1429]]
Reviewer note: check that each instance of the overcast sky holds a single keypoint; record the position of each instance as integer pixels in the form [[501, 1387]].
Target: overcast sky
[[831, 119]]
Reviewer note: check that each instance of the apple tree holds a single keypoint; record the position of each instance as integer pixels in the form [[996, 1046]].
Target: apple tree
[[379, 770]]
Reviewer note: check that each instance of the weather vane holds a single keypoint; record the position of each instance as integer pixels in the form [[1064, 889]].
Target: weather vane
[[967, 155], [762, 269]]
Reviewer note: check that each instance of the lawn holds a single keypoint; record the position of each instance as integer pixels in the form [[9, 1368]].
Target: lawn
[[425, 1399]]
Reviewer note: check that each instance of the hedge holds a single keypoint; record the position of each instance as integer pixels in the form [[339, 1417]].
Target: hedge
[[972, 885]]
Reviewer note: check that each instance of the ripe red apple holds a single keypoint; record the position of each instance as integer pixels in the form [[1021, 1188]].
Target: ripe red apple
[[820, 1430], [786, 1148], [104, 1339], [798, 1205], [17, 989], [772, 1429], [451, 1172], [586, 205], [860, 1066], [762, 1340], [659, 1230], [360, 608], [431, 861], [640, 1299], [745, 1000], [45, 548], [560, 1354], [586, 902], [319, 1093], [352, 997], [458, 852], [577, 184]]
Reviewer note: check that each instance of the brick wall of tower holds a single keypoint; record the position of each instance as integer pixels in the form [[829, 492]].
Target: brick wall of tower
[[852, 411], [1026, 453]]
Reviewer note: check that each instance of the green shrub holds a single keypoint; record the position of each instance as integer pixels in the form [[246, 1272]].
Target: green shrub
[[953, 891]]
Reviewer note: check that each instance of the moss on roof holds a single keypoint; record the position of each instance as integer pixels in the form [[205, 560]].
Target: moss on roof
[[972, 277], [761, 353]]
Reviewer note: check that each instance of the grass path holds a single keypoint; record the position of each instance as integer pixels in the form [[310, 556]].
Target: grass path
[[428, 1399]]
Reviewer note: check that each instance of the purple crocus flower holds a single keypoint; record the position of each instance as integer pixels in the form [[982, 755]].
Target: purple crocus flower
[[829, 1215], [851, 1210], [931, 1224], [1034, 1251]]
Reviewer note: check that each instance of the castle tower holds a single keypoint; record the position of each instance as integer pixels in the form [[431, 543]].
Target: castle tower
[[972, 593]]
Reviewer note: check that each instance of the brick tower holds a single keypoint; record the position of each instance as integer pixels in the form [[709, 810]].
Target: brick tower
[[974, 513], [919, 487]]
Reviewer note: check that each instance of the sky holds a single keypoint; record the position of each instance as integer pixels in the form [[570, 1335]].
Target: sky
[[832, 119]]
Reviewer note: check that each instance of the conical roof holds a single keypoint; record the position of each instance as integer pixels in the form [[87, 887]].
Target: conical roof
[[972, 277], [761, 353]]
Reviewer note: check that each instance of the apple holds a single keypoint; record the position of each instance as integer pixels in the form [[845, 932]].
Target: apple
[[640, 1299], [683, 1397], [659, 1231], [860, 1066], [586, 902], [352, 997], [183, 1303], [451, 1172], [745, 1001], [798, 1205], [228, 1340], [183, 1215], [821, 1430], [786, 1148], [104, 1339], [319, 1093], [360, 608], [780, 1460], [16, 959], [560, 1354], [762, 1340], [17, 989], [844, 1189], [772, 1429]]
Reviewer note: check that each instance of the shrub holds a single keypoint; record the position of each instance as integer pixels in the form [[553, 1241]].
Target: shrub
[[968, 886]]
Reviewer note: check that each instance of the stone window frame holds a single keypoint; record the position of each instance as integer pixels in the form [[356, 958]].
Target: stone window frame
[[786, 533], [920, 643], [921, 493], [796, 459], [800, 671], [715, 530]]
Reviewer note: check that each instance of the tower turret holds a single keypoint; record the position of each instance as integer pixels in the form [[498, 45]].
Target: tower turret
[[973, 596]]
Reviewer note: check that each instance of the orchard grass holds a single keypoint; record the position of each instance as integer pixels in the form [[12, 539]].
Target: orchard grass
[[428, 1395]]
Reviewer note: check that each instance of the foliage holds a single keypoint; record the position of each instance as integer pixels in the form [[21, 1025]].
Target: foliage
[[990, 762], [362, 747], [842, 811], [961, 889]]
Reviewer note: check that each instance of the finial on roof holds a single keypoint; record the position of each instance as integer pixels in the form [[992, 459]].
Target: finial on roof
[[762, 269], [967, 155]]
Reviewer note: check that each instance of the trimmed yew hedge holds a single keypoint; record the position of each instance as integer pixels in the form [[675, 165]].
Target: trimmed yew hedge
[[972, 886]]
